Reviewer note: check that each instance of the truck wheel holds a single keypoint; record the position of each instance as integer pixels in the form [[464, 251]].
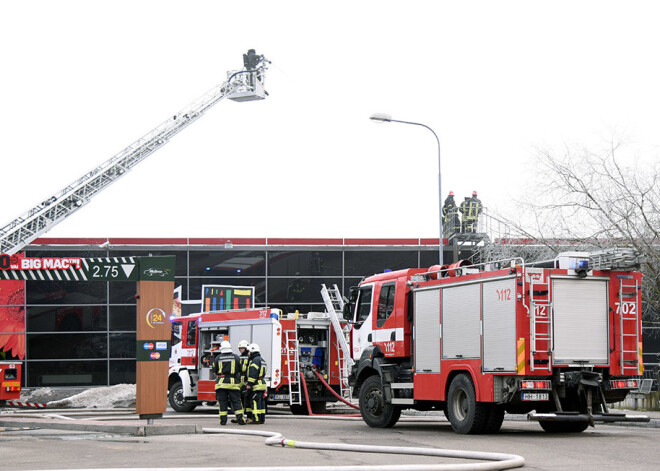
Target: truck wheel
[[177, 402], [495, 419], [465, 413], [298, 409], [319, 407], [563, 427], [372, 405]]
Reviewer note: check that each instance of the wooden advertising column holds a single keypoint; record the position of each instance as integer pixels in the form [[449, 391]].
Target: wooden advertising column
[[154, 307]]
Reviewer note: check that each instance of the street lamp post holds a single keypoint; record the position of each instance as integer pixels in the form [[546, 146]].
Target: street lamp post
[[385, 118]]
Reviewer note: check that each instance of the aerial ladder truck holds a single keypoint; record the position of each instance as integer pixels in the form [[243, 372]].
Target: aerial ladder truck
[[246, 84]]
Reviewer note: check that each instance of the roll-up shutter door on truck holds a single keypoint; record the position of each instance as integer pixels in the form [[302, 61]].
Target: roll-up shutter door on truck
[[461, 322]]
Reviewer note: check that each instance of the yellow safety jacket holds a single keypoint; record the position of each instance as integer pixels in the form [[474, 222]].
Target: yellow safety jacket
[[227, 369], [256, 373]]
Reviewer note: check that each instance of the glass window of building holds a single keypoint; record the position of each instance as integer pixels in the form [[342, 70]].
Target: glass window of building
[[298, 290], [66, 292], [305, 263], [230, 263], [66, 318], [367, 262], [123, 318]]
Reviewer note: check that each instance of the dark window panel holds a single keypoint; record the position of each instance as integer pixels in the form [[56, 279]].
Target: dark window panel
[[305, 263], [66, 292], [366, 263], [122, 292], [122, 372], [349, 283], [67, 373], [180, 265], [298, 290], [122, 345], [258, 283], [66, 346], [234, 263], [428, 258], [66, 318], [123, 318]]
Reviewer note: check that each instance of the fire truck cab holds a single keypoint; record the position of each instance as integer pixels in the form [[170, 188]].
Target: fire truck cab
[[558, 342]]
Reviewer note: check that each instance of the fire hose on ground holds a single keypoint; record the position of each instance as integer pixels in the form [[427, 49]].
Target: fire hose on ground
[[488, 460]]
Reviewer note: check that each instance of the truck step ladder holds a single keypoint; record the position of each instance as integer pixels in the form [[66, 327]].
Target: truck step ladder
[[295, 395], [628, 312], [540, 306], [334, 303]]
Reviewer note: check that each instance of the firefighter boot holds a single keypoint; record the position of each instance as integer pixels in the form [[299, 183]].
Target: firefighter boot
[[223, 421]]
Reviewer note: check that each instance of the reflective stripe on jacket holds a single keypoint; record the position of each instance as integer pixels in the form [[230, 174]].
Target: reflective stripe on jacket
[[256, 373], [227, 369], [245, 362]]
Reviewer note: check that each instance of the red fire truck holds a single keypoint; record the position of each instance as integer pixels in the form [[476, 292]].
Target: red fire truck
[[561, 338], [292, 346]]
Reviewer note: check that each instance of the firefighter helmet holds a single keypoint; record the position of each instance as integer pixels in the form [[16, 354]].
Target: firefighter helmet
[[225, 347], [474, 193], [243, 344], [451, 193], [253, 347]]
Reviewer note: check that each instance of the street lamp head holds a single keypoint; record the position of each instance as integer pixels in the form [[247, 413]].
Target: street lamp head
[[381, 117]]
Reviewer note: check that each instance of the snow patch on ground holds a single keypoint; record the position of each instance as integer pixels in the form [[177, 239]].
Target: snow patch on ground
[[118, 396]]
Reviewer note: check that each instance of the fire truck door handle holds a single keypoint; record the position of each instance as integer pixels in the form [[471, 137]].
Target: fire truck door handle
[[393, 336], [369, 338]]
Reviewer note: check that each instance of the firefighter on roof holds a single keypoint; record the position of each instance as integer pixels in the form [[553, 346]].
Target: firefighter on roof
[[256, 384], [471, 209], [227, 368], [450, 222]]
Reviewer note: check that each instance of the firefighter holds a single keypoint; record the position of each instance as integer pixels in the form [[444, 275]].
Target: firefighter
[[474, 210], [256, 385], [470, 209], [245, 361], [463, 208], [450, 222], [227, 368]]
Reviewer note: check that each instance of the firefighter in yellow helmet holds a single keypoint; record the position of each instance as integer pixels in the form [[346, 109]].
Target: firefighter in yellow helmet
[[256, 385], [227, 369]]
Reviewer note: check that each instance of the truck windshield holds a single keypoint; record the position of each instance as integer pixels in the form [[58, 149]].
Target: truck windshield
[[364, 305]]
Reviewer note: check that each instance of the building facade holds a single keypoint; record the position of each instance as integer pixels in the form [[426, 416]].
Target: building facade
[[82, 333]]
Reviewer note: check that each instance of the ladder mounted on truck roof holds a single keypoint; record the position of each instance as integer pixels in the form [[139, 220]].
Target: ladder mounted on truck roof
[[246, 84]]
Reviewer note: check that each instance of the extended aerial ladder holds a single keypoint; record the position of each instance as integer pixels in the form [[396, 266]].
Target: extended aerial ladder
[[246, 84]]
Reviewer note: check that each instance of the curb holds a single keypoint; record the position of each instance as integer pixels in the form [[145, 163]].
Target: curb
[[94, 426], [27, 404]]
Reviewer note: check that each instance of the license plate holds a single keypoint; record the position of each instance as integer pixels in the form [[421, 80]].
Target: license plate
[[280, 397], [535, 396]]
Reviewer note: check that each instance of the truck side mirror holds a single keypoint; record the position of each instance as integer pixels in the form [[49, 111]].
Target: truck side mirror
[[348, 312]]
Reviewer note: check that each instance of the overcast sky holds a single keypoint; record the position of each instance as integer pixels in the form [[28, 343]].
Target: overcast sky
[[495, 79]]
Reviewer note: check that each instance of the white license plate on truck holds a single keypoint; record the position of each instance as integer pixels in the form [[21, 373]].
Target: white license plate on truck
[[280, 397], [535, 396]]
